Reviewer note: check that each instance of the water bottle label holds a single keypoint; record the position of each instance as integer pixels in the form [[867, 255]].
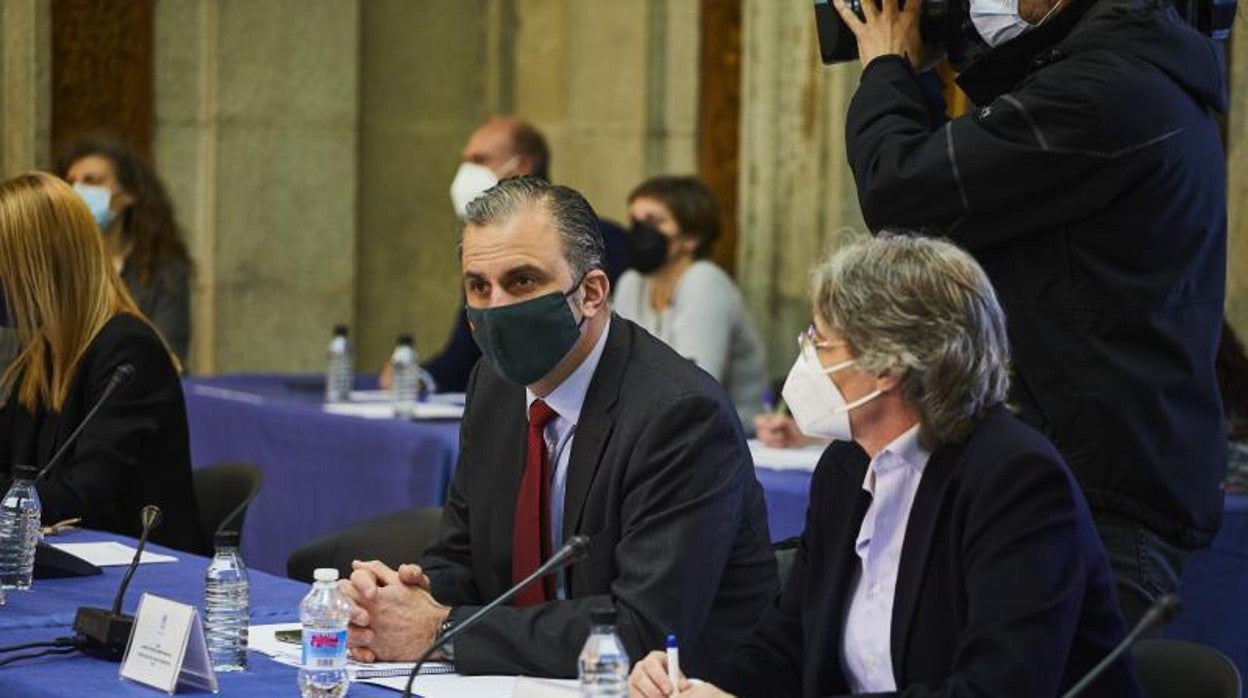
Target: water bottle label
[[325, 649]]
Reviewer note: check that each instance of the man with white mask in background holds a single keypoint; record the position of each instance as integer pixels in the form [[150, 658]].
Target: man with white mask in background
[[501, 148], [1089, 181]]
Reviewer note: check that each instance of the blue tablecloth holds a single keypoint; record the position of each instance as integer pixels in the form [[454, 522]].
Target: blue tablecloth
[[322, 471], [46, 612]]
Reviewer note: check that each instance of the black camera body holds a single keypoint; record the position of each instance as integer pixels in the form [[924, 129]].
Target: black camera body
[[944, 23]]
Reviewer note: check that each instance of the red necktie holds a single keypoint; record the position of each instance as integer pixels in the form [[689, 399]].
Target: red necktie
[[530, 542]]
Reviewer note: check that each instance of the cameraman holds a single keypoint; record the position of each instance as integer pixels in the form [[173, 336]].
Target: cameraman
[[1089, 181]]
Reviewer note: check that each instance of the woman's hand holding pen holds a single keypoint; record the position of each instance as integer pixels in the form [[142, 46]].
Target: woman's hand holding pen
[[649, 680], [778, 430]]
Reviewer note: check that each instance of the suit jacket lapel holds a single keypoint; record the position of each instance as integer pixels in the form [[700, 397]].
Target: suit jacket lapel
[[920, 530], [597, 420]]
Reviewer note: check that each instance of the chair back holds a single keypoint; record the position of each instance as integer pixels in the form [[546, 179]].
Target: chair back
[[394, 538], [786, 553], [1181, 669], [223, 492]]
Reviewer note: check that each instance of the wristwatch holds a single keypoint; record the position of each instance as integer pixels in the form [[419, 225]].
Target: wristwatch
[[448, 650]]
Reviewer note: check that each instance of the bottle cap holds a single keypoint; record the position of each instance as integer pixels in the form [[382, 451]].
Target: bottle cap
[[227, 539], [406, 340], [25, 472], [602, 616], [325, 574], [341, 331]]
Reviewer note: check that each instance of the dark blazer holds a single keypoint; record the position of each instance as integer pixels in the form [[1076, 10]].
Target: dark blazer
[[135, 452], [1090, 184], [661, 480], [1003, 588]]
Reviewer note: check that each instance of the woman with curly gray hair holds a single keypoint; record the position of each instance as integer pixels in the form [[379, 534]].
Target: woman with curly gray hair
[[948, 550]]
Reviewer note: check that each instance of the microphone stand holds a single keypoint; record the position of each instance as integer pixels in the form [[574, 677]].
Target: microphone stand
[[1163, 610], [573, 551], [102, 632], [120, 377]]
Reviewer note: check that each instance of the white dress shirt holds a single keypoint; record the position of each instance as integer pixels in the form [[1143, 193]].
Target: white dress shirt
[[566, 400], [892, 480]]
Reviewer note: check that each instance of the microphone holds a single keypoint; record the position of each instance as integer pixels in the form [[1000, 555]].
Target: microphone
[[573, 551], [50, 562], [1162, 612], [104, 633], [121, 375]]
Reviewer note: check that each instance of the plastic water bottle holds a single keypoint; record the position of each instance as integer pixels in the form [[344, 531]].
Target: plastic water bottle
[[324, 613], [339, 372], [20, 529], [227, 605], [405, 367], [604, 661]]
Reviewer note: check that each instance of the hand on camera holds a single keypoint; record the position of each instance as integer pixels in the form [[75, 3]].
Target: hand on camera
[[888, 30]]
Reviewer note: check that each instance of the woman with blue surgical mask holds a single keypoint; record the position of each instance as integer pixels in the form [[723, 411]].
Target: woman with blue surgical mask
[[141, 235]]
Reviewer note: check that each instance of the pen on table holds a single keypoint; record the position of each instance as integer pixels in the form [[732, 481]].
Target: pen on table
[[673, 664]]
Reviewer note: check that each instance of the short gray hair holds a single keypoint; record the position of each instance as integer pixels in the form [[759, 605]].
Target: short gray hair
[[573, 217], [921, 309]]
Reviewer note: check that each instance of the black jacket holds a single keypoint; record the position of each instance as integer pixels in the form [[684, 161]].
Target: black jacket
[[1003, 588], [659, 478], [1090, 184], [135, 452]]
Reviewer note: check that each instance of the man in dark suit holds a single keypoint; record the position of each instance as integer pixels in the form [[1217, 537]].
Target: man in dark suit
[[625, 442], [948, 550]]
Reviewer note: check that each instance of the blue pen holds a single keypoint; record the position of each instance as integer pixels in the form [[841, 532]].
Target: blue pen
[[673, 664]]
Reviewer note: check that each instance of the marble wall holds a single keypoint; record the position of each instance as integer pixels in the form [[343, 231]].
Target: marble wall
[[309, 145]]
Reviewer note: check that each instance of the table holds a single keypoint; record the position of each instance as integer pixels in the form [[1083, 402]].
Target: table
[[322, 471], [46, 612]]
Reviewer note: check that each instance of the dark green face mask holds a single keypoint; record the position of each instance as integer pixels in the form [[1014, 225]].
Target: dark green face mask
[[525, 341]]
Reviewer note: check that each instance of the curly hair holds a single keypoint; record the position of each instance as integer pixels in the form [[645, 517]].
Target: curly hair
[[148, 224]]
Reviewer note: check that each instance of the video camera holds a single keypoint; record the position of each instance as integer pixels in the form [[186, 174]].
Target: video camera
[[945, 24]]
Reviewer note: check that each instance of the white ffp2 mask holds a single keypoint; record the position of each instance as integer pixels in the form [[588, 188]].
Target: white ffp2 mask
[[815, 402]]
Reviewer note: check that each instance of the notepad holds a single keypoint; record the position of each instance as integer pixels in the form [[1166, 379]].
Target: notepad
[[804, 458], [263, 639], [110, 554]]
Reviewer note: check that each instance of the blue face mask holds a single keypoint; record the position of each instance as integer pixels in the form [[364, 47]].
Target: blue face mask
[[97, 200]]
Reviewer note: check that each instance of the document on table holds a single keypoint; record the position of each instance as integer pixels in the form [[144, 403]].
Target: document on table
[[110, 554], [263, 639], [383, 410], [804, 458], [456, 686]]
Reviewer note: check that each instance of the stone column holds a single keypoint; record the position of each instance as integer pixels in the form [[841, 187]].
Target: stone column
[[1237, 184], [25, 84], [256, 135], [797, 196]]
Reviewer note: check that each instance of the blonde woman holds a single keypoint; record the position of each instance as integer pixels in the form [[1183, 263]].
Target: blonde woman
[[77, 325]]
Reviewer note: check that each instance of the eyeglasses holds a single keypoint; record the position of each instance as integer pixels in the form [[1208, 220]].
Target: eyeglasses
[[810, 337]]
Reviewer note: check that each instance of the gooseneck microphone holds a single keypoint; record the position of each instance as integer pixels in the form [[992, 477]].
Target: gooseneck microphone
[[573, 551], [102, 632], [121, 375], [1163, 611]]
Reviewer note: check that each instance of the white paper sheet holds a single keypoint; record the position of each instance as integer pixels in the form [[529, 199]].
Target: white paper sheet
[[805, 458], [263, 639], [455, 686], [109, 554], [383, 410]]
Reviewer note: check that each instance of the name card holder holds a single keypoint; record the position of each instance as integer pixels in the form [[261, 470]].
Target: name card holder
[[167, 648]]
